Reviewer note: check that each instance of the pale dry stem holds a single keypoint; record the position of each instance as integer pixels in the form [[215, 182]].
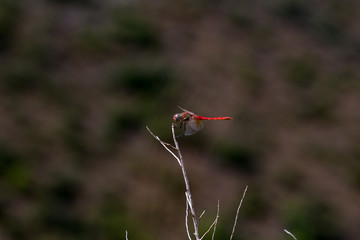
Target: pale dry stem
[[201, 215], [186, 220], [165, 145], [288, 232], [217, 216], [237, 212], [189, 203], [179, 158], [213, 224]]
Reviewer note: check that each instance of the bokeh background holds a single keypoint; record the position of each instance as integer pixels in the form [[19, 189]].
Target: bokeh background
[[80, 80]]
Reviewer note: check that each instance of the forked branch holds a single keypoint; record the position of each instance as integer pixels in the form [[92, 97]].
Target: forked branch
[[213, 224], [176, 153], [179, 158]]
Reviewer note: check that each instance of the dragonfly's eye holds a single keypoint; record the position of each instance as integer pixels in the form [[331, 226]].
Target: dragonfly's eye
[[177, 117]]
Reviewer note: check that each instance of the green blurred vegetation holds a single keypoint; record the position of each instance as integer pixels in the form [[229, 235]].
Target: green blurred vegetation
[[300, 72], [328, 22], [146, 80], [294, 10], [239, 156], [72, 133], [290, 178], [14, 170], [133, 28], [122, 122], [22, 76], [312, 219], [9, 20], [258, 206], [57, 210], [250, 74], [80, 2]]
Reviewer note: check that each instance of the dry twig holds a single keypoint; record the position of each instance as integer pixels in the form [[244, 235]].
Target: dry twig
[[165, 145], [213, 224], [218, 209], [237, 212], [189, 203], [288, 232], [186, 220], [201, 215], [179, 158]]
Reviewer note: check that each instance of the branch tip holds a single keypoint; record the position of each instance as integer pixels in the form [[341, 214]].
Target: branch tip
[[288, 232], [237, 212]]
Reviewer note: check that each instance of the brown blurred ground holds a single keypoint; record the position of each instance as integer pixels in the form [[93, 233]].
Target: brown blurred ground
[[80, 80]]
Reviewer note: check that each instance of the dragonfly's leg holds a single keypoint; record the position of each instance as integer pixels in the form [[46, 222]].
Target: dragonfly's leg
[[179, 135], [180, 126], [177, 125]]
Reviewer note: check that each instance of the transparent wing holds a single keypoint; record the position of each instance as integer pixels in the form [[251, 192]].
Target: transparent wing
[[191, 113], [193, 126]]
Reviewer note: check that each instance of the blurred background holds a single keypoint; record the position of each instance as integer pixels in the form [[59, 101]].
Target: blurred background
[[80, 80]]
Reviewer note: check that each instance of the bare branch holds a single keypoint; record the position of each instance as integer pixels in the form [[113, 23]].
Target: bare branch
[[176, 145], [186, 219], [179, 158], [237, 212], [217, 216], [288, 232], [165, 144], [192, 211], [213, 224], [201, 215], [187, 185]]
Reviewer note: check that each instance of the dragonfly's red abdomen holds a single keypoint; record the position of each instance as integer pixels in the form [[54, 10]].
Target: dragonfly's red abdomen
[[213, 118]]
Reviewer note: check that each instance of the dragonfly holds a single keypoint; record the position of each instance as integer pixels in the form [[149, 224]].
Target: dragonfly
[[191, 122]]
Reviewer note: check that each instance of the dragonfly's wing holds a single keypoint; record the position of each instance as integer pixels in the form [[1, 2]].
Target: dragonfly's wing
[[189, 130], [191, 113], [193, 126]]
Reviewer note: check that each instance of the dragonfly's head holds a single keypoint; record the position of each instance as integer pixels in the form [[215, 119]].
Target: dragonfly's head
[[177, 117]]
